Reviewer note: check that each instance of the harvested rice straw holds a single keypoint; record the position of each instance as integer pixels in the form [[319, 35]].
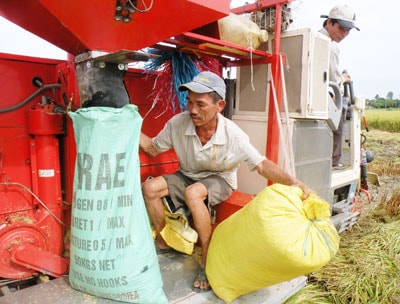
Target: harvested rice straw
[[365, 269], [389, 209]]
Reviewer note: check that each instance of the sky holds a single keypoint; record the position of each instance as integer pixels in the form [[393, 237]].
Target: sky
[[371, 55]]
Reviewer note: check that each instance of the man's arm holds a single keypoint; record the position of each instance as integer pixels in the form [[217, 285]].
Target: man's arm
[[146, 145], [274, 173]]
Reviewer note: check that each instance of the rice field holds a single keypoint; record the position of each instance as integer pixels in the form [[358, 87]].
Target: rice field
[[384, 120]]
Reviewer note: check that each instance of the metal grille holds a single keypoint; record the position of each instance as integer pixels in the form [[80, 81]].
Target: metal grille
[[265, 19]]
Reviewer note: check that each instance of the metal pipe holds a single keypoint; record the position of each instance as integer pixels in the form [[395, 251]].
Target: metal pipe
[[272, 146]]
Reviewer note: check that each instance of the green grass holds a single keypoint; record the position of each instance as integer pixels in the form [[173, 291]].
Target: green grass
[[384, 120]]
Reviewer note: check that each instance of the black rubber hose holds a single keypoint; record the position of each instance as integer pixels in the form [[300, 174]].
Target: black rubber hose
[[25, 101]]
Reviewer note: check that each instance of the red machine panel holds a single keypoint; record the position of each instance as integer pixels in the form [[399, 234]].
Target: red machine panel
[[77, 26], [31, 206], [16, 85], [139, 86]]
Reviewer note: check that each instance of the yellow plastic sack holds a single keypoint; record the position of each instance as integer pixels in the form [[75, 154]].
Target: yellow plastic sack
[[242, 31], [274, 238], [177, 233]]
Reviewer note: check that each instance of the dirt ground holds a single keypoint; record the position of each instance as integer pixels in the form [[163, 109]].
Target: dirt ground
[[386, 149], [388, 185], [385, 168]]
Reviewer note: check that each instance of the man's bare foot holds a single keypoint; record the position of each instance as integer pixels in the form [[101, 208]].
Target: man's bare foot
[[161, 244], [200, 283]]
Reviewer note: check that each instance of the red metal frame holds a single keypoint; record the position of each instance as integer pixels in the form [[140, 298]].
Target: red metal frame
[[273, 129], [235, 55], [258, 5]]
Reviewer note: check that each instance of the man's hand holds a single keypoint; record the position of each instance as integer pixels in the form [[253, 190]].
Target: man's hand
[[345, 76], [273, 172], [146, 146], [306, 190]]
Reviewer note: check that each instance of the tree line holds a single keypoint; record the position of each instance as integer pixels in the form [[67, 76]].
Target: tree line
[[383, 103]]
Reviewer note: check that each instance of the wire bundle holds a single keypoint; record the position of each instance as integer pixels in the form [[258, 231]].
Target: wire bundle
[[175, 68]]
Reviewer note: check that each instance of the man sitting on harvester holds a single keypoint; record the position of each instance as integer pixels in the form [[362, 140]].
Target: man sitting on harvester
[[210, 148]]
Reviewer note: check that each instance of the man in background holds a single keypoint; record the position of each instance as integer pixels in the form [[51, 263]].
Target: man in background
[[337, 26]]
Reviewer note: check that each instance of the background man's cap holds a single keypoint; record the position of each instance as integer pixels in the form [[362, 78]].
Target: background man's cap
[[205, 82], [344, 15]]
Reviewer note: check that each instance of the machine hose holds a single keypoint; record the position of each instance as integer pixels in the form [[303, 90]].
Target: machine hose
[[29, 98]]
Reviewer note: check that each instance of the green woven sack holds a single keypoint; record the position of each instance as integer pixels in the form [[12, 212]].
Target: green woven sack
[[112, 250]]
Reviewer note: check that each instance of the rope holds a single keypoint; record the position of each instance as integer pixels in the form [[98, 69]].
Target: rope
[[288, 167], [249, 39], [289, 134], [322, 234]]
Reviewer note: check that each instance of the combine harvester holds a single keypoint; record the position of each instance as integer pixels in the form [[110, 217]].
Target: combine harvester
[[287, 114]]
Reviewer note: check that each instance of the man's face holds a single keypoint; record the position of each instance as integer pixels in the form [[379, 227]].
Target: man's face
[[336, 31], [202, 108]]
